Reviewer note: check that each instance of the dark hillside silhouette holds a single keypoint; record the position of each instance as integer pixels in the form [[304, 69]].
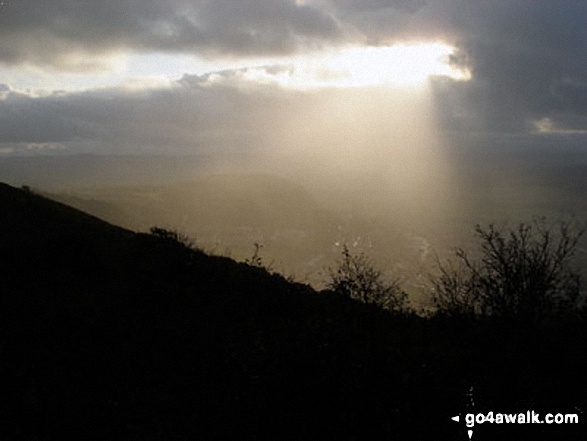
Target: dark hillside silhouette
[[108, 334]]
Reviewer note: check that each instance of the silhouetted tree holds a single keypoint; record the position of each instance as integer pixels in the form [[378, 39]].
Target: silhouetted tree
[[356, 277], [521, 273]]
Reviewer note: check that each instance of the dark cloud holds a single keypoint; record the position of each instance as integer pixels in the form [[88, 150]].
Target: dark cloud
[[58, 32], [195, 114], [353, 6], [521, 55]]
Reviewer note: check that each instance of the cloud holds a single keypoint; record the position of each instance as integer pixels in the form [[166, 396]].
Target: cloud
[[195, 114], [65, 33], [526, 62]]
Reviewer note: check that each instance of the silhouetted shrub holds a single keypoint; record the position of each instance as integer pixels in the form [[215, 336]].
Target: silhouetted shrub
[[521, 273], [172, 236], [356, 277], [256, 260]]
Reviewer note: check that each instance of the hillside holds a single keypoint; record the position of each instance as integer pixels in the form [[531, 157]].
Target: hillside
[[108, 334]]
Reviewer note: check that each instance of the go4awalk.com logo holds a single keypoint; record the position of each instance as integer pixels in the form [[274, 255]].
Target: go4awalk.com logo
[[529, 417]]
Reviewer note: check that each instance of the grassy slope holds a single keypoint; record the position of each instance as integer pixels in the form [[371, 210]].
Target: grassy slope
[[108, 334]]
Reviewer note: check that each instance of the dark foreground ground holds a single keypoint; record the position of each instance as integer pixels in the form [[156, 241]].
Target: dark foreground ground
[[108, 334]]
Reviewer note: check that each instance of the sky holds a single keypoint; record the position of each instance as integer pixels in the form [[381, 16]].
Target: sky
[[339, 81]]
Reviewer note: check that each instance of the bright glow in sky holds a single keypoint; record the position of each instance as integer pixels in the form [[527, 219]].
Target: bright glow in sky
[[398, 65]]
